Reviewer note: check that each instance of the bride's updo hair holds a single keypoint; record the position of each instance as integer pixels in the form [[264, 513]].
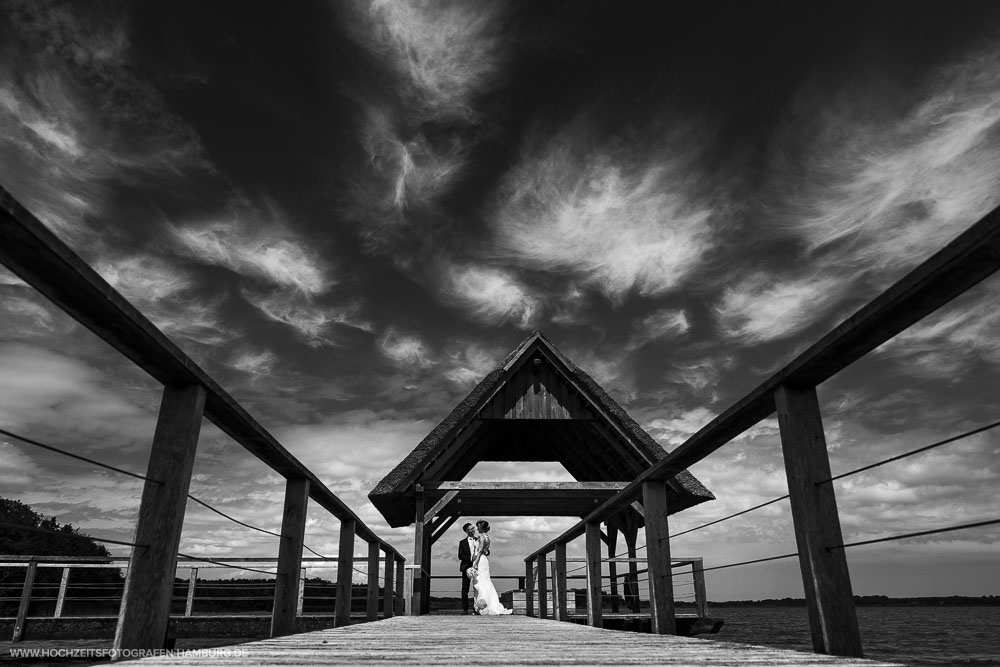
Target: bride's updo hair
[[483, 525]]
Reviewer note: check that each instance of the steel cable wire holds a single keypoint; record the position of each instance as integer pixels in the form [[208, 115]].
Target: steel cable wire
[[925, 448], [76, 456]]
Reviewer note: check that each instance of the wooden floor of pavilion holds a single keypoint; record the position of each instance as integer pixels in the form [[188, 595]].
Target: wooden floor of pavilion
[[497, 640]]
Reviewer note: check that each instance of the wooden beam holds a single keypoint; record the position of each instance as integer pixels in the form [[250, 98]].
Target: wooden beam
[[149, 582], [286, 578], [61, 599], [561, 594], [192, 585], [700, 594], [440, 505], [543, 586], [825, 576], [371, 607], [470, 488], [595, 616], [415, 605], [388, 594], [22, 608], [442, 528], [31, 251], [612, 543], [661, 588], [630, 531], [425, 580], [400, 601], [345, 573], [300, 599], [529, 587]]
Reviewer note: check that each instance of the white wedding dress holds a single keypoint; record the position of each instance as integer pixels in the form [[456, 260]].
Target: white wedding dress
[[487, 602]]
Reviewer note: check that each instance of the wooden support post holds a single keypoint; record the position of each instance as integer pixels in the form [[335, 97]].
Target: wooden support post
[[630, 531], [562, 595], [301, 602], [388, 594], [612, 566], [825, 577], [149, 582], [425, 579], [543, 588], [415, 606], [345, 573], [192, 583], [700, 595], [661, 588], [595, 617], [22, 609], [412, 575], [529, 588], [400, 585], [286, 578], [371, 606], [61, 600]]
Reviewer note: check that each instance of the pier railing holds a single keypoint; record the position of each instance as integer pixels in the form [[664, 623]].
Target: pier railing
[[43, 261], [791, 393], [192, 595]]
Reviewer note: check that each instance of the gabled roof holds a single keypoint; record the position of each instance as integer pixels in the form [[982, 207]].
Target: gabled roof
[[571, 419]]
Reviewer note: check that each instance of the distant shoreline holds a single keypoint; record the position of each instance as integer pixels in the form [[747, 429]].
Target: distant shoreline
[[875, 601]]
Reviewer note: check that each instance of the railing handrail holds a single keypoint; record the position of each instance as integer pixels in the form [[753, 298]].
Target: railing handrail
[[964, 262], [42, 260]]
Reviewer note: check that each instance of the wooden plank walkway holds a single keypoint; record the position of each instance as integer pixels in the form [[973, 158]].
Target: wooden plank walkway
[[497, 640]]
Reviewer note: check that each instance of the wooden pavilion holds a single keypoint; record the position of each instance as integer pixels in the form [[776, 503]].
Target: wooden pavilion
[[537, 406]]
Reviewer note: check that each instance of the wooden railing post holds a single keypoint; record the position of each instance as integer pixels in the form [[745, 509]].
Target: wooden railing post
[[612, 565], [400, 585], [61, 600], [22, 609], [543, 586], [345, 570], [192, 583], [529, 588], [149, 582], [630, 531], [415, 574], [371, 606], [661, 589], [300, 603], [700, 594], [286, 578], [388, 594], [825, 577], [595, 616], [562, 595], [425, 573]]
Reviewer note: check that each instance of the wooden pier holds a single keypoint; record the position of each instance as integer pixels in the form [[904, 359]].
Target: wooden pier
[[498, 640]]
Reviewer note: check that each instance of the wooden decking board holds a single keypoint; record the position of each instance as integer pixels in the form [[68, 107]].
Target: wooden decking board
[[500, 640]]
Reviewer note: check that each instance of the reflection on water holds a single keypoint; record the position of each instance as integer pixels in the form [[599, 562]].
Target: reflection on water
[[908, 635]]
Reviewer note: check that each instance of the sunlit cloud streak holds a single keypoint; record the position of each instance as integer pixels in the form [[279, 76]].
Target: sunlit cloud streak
[[417, 134], [406, 350], [615, 217], [262, 249], [492, 295], [314, 322]]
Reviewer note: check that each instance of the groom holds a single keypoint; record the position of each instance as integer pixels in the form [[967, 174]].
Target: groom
[[465, 549]]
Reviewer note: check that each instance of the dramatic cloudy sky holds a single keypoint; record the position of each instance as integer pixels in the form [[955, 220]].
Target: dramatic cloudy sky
[[348, 212]]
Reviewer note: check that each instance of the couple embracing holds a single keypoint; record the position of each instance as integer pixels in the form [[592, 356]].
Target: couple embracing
[[474, 562]]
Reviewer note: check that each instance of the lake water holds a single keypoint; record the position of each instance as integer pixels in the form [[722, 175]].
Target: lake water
[[908, 635]]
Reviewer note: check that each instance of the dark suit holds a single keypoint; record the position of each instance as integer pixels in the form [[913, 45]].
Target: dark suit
[[464, 563]]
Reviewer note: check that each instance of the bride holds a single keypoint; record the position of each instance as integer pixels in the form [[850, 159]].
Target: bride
[[487, 600]]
